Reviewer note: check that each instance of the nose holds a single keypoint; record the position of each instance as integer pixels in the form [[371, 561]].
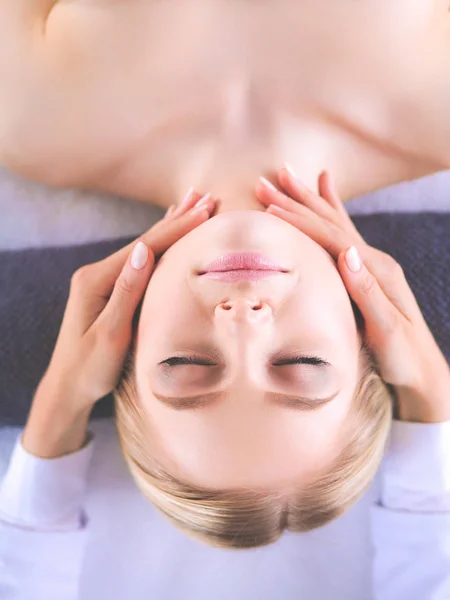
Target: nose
[[243, 310]]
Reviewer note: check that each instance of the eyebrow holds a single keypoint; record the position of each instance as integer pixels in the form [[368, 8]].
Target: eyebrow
[[202, 400]]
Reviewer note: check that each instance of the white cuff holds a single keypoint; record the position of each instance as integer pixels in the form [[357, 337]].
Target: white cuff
[[45, 494], [415, 474]]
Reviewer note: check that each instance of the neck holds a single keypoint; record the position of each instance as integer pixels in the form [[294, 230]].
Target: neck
[[360, 160], [238, 193], [233, 181], [357, 167]]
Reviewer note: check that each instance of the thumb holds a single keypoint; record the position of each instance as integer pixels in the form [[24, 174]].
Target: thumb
[[380, 315], [128, 289]]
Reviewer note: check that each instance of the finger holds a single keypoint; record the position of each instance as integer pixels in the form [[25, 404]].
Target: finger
[[297, 190], [195, 200], [159, 238], [128, 291], [393, 282], [191, 201], [165, 234], [169, 212], [332, 238], [268, 194], [188, 202], [380, 316], [328, 191]]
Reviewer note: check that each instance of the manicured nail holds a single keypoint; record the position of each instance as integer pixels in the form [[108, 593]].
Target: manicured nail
[[203, 200], [179, 209], [198, 209], [290, 170], [188, 195], [332, 184], [140, 256], [267, 183], [276, 208], [170, 211], [353, 260]]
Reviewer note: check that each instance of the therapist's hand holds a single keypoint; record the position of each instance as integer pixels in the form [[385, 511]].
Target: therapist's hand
[[96, 332], [97, 326], [407, 355]]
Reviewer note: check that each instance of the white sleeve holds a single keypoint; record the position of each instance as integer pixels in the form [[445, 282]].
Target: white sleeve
[[411, 522], [43, 528]]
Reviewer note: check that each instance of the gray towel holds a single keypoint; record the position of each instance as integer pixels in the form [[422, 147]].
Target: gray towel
[[34, 286]]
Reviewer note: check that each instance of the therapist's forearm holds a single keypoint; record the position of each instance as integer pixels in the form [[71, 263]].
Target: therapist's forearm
[[54, 427]]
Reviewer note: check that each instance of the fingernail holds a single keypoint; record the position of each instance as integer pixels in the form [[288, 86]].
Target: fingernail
[[276, 208], [197, 209], [203, 200], [187, 197], [139, 256], [179, 209], [267, 183], [331, 182], [290, 170], [170, 210], [353, 260]]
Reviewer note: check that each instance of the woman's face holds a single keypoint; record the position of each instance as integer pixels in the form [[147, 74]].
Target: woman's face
[[250, 418]]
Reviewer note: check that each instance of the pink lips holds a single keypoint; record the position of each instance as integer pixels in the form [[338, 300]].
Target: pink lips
[[250, 266]]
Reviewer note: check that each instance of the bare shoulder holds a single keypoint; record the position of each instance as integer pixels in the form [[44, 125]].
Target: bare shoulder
[[53, 116], [29, 86]]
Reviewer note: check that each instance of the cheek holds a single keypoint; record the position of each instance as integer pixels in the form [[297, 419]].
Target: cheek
[[168, 312], [323, 299], [165, 292], [339, 303]]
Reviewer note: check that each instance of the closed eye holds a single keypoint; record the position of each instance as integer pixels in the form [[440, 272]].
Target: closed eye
[[301, 360], [175, 361]]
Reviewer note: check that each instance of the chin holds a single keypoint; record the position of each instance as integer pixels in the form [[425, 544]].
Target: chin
[[246, 216], [247, 230]]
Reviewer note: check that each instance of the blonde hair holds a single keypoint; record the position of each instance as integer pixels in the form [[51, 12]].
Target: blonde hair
[[246, 519]]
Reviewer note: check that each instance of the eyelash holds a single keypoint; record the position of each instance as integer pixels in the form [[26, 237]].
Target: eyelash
[[175, 361], [300, 360]]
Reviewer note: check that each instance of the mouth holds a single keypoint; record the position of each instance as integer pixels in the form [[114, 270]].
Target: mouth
[[240, 275], [242, 265]]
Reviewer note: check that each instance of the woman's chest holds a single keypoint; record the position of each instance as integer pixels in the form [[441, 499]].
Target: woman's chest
[[151, 81], [171, 52]]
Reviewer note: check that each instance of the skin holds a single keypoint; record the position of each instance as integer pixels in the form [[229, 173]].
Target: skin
[[93, 96], [241, 438], [146, 98]]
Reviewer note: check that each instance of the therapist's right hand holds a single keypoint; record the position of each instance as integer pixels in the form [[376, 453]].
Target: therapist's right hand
[[407, 355]]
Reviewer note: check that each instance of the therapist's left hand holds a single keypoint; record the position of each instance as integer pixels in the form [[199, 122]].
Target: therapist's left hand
[[96, 332], [96, 329]]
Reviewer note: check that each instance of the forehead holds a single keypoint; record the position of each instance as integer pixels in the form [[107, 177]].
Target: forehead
[[241, 442], [241, 449]]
